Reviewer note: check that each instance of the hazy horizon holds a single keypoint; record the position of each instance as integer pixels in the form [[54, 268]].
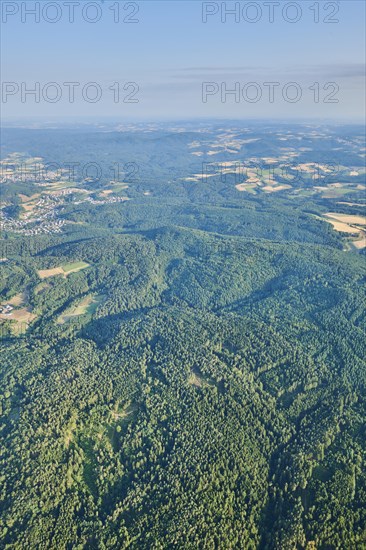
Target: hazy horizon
[[154, 60]]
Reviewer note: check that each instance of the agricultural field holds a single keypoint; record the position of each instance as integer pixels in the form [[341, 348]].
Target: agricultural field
[[20, 316], [63, 270], [351, 225]]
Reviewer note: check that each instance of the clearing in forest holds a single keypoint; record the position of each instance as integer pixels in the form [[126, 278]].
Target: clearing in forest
[[44, 273], [74, 266], [246, 187], [87, 305], [20, 319], [64, 270], [197, 379], [16, 300]]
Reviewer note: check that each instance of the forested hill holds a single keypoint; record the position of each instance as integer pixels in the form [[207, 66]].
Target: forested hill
[[183, 358]]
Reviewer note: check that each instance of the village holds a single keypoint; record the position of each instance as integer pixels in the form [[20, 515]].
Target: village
[[41, 212]]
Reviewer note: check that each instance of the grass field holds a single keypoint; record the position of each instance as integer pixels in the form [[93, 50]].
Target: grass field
[[73, 267], [87, 306], [334, 193]]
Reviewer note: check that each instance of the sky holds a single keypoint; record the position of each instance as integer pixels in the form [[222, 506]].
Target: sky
[[149, 60]]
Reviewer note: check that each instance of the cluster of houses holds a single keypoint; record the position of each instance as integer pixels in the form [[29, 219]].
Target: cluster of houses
[[34, 223], [104, 201]]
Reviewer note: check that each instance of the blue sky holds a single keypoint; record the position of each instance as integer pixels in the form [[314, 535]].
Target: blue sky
[[173, 57]]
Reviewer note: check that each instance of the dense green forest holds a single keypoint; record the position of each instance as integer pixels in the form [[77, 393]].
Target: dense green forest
[[212, 395]]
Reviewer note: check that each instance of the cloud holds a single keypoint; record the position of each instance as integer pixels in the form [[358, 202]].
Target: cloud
[[336, 70], [215, 69], [329, 71]]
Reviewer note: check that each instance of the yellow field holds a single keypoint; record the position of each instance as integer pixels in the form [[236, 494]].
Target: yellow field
[[272, 189], [64, 270], [350, 224], [45, 273], [360, 244], [351, 203], [347, 218], [343, 227], [244, 186]]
